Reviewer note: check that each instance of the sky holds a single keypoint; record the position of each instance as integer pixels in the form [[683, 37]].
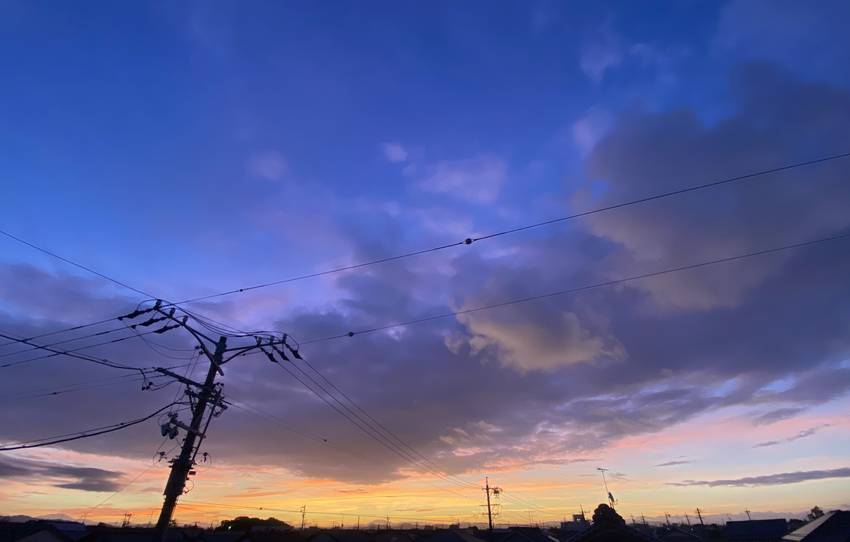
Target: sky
[[189, 148]]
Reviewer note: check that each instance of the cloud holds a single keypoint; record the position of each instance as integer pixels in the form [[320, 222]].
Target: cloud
[[519, 342], [60, 475], [769, 479], [561, 379], [674, 463], [590, 128], [394, 152], [601, 53], [788, 33], [776, 415], [267, 165], [800, 435], [646, 153], [478, 179]]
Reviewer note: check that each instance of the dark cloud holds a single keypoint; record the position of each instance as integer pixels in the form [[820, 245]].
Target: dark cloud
[[770, 479], [548, 382], [674, 462], [809, 41], [60, 475], [800, 435], [776, 415]]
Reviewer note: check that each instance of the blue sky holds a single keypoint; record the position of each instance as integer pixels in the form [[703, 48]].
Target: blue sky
[[192, 147]]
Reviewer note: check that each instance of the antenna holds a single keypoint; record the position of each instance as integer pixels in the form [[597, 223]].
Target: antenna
[[610, 496]]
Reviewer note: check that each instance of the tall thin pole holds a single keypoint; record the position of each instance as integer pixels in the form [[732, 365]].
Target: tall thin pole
[[183, 464], [489, 510], [303, 515], [608, 494], [699, 514]]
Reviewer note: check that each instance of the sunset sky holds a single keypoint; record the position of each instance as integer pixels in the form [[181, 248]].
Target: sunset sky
[[189, 148]]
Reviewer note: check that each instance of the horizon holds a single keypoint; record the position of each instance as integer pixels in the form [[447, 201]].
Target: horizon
[[515, 242]]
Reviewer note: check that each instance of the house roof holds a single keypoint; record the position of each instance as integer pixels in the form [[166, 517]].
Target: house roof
[[525, 534], [831, 527], [115, 534], [452, 536], [675, 533], [756, 529]]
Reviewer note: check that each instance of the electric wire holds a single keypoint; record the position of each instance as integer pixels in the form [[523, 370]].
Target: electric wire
[[117, 491], [298, 511], [548, 222], [99, 361], [64, 341], [55, 353], [75, 389], [58, 439], [382, 427], [359, 424], [586, 287], [75, 264], [467, 241]]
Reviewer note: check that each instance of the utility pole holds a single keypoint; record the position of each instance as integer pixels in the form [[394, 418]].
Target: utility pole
[[495, 491], [303, 515], [182, 466], [205, 399], [699, 515], [666, 515], [687, 519], [748, 515]]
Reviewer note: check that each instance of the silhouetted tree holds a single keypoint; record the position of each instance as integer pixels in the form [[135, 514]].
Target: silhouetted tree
[[245, 524], [605, 515], [815, 513]]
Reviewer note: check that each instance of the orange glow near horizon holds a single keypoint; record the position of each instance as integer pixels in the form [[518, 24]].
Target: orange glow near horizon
[[544, 493]]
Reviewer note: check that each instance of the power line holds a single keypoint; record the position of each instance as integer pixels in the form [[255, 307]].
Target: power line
[[75, 264], [467, 241], [386, 430], [471, 240], [368, 430], [117, 491], [280, 423], [581, 288], [298, 511], [100, 361], [58, 439], [64, 341], [55, 353], [56, 332], [147, 376]]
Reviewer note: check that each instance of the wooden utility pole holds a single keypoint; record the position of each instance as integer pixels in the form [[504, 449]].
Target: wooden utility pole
[[489, 509], [202, 396], [495, 491], [182, 466], [699, 515]]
